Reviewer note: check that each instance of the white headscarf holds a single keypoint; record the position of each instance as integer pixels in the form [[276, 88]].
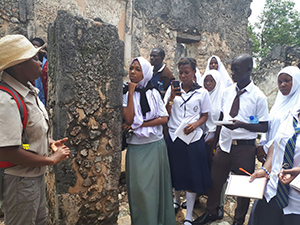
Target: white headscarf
[[198, 77], [227, 81], [215, 99], [283, 103], [152, 101]]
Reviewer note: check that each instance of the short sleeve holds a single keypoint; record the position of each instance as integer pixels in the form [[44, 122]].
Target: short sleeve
[[167, 95], [11, 127], [125, 99], [161, 106], [262, 109], [205, 102]]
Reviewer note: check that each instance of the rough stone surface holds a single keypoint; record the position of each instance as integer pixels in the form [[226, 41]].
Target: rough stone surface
[[85, 70], [16, 17], [191, 28], [266, 76], [182, 27]]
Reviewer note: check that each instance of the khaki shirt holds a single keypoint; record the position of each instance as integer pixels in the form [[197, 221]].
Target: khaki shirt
[[11, 125]]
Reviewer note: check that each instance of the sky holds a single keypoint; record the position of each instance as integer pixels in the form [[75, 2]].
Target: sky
[[258, 5]]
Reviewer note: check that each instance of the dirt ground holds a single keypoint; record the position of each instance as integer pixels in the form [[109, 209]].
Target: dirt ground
[[229, 207]]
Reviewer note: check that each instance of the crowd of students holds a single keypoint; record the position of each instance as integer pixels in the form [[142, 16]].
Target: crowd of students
[[190, 154], [201, 160]]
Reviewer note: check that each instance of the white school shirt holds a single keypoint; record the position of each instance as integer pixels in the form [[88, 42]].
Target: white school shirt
[[198, 103], [253, 102], [134, 139], [285, 131]]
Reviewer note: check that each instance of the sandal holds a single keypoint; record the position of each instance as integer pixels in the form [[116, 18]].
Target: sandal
[[176, 208], [188, 221]]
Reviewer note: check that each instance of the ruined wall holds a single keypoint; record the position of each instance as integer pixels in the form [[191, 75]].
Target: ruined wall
[[31, 17], [17, 17], [112, 12], [188, 27], [266, 76], [85, 70], [182, 27]]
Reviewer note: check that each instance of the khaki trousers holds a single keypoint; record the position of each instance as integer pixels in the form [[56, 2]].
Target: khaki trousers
[[24, 201]]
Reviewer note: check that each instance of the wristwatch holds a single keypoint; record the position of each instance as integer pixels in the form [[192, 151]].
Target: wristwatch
[[170, 102]]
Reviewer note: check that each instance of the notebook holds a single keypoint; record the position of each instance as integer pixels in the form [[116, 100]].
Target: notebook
[[180, 131], [296, 183], [239, 185]]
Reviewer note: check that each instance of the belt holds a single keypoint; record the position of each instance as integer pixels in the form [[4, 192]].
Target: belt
[[243, 142]]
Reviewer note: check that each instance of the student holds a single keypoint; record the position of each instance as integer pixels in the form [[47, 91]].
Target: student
[[215, 87], [42, 82], [24, 200], [288, 80], [162, 76], [280, 207], [188, 162], [148, 177], [237, 141], [215, 63]]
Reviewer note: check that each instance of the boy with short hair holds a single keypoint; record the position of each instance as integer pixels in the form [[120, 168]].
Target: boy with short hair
[[237, 141]]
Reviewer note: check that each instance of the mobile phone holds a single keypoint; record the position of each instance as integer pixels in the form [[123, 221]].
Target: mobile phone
[[176, 85]]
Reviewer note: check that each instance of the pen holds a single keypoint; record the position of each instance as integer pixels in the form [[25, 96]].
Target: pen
[[246, 172]]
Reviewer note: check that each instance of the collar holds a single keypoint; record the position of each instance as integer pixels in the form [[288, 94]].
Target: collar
[[19, 87], [161, 68], [248, 88]]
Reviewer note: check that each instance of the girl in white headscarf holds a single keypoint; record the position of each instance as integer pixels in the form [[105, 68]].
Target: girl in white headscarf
[[214, 85], [288, 80], [148, 177], [214, 63]]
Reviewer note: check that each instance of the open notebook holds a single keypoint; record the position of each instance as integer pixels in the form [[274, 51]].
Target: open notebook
[[239, 185]]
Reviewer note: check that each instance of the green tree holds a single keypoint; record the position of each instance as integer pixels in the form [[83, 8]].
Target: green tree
[[279, 23], [256, 42]]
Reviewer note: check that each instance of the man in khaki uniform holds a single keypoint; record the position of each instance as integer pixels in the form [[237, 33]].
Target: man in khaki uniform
[[23, 185]]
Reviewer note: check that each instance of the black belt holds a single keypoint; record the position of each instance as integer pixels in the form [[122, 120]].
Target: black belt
[[243, 142]]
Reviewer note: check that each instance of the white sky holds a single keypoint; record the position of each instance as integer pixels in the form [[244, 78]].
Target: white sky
[[258, 5]]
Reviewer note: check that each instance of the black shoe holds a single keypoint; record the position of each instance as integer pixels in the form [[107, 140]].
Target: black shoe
[[176, 208], [235, 223], [188, 221], [220, 213], [205, 218], [184, 206]]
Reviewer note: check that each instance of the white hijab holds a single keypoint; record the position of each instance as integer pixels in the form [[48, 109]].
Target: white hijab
[[215, 99], [283, 103], [226, 79], [152, 101], [198, 77]]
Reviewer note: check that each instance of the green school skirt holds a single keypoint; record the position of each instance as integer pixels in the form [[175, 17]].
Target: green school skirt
[[149, 185]]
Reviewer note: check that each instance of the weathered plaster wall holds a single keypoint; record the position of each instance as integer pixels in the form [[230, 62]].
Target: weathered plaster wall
[[112, 12], [182, 27], [85, 71], [203, 27]]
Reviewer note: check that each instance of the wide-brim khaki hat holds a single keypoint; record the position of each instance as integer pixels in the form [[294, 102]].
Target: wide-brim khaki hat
[[15, 49]]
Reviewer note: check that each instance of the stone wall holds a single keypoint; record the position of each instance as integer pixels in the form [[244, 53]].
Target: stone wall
[[182, 27], [85, 71], [191, 28], [17, 17], [266, 76]]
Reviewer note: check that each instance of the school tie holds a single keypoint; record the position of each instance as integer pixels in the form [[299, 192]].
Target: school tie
[[288, 162], [236, 103]]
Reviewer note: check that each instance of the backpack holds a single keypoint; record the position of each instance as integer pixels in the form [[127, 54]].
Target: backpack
[[23, 113]]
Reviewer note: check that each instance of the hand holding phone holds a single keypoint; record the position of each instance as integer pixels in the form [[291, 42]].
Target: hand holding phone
[[176, 86]]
